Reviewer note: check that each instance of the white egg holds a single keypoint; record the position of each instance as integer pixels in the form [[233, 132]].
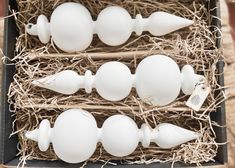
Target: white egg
[[120, 135], [158, 80], [113, 81], [74, 136], [71, 27], [114, 25]]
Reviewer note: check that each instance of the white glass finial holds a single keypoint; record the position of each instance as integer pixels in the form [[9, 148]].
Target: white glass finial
[[157, 80], [75, 135], [71, 26]]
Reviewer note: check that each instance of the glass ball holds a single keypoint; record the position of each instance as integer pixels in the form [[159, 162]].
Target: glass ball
[[114, 25], [120, 135], [113, 81], [71, 27], [74, 136], [158, 80]]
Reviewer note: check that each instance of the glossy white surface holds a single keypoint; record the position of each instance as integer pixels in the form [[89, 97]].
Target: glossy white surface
[[71, 26], [75, 135]]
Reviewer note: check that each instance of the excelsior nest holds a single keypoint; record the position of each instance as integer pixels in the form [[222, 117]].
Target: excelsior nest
[[194, 45]]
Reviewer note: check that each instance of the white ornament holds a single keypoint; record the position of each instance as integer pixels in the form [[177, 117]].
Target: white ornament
[[157, 80], [75, 135], [71, 26]]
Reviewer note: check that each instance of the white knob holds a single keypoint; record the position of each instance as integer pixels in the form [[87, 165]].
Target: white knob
[[157, 80], [75, 135], [189, 79], [72, 28], [41, 29]]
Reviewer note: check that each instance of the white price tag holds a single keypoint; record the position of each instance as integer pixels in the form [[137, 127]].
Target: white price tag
[[198, 97]]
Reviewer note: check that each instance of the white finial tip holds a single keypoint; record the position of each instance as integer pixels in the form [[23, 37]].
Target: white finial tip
[[43, 82], [162, 23], [41, 29], [65, 82], [191, 22], [35, 82], [169, 135], [33, 135], [31, 29], [197, 135], [188, 22]]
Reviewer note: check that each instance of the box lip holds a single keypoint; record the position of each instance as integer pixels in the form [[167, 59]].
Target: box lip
[[222, 108], [2, 121], [6, 70], [59, 163]]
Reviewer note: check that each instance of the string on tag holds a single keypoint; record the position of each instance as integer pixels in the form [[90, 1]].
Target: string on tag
[[199, 95]]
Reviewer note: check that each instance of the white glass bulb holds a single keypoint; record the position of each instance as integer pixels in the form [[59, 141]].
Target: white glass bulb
[[157, 80], [120, 135], [71, 26], [78, 147], [113, 81], [114, 25], [75, 135]]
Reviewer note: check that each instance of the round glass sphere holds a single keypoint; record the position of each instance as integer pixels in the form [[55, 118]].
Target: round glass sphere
[[71, 27], [113, 81], [74, 136], [114, 25], [120, 135], [158, 80]]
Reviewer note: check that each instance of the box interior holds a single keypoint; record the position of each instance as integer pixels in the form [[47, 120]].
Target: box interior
[[8, 146]]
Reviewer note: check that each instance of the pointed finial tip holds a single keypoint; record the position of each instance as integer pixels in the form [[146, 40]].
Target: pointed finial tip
[[197, 135], [38, 83], [27, 135], [35, 82], [190, 22]]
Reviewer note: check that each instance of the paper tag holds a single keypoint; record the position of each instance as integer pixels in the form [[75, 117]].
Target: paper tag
[[198, 97]]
